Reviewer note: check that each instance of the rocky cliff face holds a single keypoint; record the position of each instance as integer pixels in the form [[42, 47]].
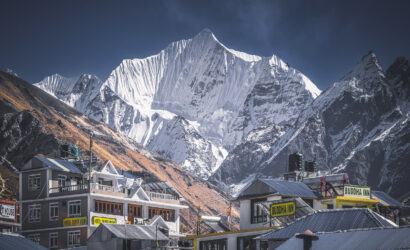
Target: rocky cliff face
[[220, 93], [33, 122], [360, 125]]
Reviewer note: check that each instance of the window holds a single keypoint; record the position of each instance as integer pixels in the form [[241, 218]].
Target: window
[[108, 207], [134, 211], [54, 211], [34, 237], [34, 213], [167, 214], [33, 182], [220, 244], [53, 237], [329, 206], [62, 180], [74, 208], [74, 238], [259, 213]]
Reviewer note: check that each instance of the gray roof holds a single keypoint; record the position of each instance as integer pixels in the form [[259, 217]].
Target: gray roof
[[290, 188], [135, 232], [377, 238], [387, 199], [161, 187], [58, 164], [330, 220], [216, 226], [15, 241]]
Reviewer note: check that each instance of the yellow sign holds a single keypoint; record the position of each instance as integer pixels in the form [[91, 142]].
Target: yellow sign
[[99, 220], [357, 191], [282, 209], [77, 221]]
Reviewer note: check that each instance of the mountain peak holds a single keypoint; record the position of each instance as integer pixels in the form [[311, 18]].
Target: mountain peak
[[368, 66]]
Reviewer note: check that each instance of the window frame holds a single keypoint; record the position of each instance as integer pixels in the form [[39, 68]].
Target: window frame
[[31, 186], [34, 237], [30, 213], [61, 177], [169, 213], [107, 207], [50, 245], [68, 238], [257, 219], [52, 204], [71, 215]]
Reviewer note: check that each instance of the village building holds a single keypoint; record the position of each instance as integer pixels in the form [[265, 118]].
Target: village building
[[326, 221], [61, 208], [290, 199]]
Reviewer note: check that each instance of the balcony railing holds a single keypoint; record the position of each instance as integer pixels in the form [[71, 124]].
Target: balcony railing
[[72, 188], [97, 186], [153, 196]]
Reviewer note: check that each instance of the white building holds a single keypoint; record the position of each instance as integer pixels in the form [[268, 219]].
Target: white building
[[61, 208]]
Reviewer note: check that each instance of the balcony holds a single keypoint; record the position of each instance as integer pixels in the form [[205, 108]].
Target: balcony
[[161, 197], [73, 189], [108, 190]]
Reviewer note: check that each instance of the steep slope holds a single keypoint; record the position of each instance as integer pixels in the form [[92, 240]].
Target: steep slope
[[221, 93], [33, 122], [359, 125]]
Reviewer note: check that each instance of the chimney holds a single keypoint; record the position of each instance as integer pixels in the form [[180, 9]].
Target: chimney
[[307, 237]]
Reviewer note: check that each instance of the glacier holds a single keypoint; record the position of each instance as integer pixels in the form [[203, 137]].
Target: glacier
[[193, 102]]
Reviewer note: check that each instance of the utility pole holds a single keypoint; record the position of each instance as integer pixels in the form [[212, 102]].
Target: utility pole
[[91, 158]]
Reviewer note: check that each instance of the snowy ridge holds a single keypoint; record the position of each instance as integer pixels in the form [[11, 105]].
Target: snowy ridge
[[193, 101], [360, 125]]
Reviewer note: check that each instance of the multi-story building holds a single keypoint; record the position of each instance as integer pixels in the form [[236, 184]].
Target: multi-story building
[[61, 208]]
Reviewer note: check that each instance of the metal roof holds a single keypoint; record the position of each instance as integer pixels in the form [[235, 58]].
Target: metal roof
[[15, 241], [135, 232], [59, 164], [387, 199], [377, 238], [291, 188], [330, 220], [163, 187]]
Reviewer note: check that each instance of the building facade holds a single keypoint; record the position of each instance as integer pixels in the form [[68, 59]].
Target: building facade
[[61, 208]]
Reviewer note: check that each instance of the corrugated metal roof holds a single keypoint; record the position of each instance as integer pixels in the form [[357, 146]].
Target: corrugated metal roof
[[15, 241], [330, 220], [136, 232], [59, 164], [387, 199], [377, 238], [216, 226], [291, 188]]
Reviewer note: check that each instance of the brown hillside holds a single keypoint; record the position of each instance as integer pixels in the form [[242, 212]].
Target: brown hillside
[[33, 122]]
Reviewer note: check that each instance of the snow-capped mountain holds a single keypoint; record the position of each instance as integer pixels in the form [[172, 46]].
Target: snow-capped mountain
[[194, 101], [75, 91], [360, 125]]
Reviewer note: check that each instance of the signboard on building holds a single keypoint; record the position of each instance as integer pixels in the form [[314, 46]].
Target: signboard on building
[[357, 191], [98, 220], [77, 221], [282, 209], [7, 211]]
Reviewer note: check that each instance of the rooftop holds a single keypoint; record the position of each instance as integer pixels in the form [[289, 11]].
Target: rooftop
[[16, 241], [375, 238], [277, 187], [330, 220]]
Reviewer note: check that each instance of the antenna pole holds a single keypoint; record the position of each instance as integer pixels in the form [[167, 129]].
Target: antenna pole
[[91, 158]]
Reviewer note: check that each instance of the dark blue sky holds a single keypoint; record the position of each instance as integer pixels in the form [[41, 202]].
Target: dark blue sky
[[323, 39]]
